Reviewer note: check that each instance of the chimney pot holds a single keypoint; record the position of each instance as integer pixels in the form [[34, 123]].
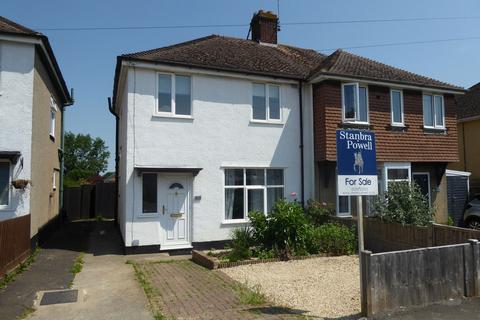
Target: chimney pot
[[264, 26]]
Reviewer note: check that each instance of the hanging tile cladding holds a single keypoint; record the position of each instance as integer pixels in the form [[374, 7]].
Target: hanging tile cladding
[[414, 144]]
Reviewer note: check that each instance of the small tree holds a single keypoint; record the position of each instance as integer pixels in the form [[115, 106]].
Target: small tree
[[404, 203], [84, 157]]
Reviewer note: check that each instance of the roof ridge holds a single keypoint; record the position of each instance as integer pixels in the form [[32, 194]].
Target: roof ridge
[[19, 26]]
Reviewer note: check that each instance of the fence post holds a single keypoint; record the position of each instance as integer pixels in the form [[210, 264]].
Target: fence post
[[475, 264], [365, 295]]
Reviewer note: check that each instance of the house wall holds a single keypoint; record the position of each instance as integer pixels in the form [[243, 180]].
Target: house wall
[[414, 144], [469, 153], [45, 158], [219, 135], [16, 94]]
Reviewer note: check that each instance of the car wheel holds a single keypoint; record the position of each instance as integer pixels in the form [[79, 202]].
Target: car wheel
[[473, 223]]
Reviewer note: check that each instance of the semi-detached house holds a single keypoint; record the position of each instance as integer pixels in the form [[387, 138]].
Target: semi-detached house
[[213, 128]]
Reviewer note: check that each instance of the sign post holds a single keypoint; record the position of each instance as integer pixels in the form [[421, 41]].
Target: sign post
[[357, 176]]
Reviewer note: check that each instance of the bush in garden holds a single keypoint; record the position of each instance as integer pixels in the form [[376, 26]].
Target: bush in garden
[[332, 238], [318, 212], [403, 203], [284, 229], [241, 243]]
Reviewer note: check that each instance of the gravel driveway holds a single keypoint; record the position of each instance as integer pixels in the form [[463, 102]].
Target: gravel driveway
[[325, 287]]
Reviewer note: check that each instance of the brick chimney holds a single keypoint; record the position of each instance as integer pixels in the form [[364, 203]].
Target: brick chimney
[[264, 26]]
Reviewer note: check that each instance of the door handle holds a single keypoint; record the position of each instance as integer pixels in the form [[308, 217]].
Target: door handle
[[163, 209]]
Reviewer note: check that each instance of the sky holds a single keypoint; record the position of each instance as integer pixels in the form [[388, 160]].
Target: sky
[[87, 58]]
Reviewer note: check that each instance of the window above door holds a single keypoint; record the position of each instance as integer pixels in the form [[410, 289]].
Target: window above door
[[355, 103], [266, 105], [174, 95]]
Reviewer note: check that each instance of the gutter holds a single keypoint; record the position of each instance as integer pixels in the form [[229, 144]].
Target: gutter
[[112, 111], [302, 169]]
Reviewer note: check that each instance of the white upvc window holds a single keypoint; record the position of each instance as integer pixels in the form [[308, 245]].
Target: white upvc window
[[344, 206], [355, 103], [53, 113], [249, 189], [174, 95], [433, 111], [266, 103], [5, 181], [396, 103], [396, 172]]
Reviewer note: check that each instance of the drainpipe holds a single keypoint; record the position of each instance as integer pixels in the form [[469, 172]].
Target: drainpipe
[[302, 169], [62, 148], [115, 207]]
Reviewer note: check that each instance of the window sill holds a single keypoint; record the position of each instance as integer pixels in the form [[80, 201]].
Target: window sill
[[434, 130], [233, 222], [362, 125], [267, 122], [397, 127], [171, 116]]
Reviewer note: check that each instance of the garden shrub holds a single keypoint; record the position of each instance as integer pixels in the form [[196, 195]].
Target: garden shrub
[[403, 203], [241, 243], [284, 229], [318, 212], [332, 238]]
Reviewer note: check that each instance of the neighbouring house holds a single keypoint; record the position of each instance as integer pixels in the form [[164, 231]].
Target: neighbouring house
[[468, 133], [33, 95], [213, 128]]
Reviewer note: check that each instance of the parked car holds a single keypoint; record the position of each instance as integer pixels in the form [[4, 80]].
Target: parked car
[[471, 216]]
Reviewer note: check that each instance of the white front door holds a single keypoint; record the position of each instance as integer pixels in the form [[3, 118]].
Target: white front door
[[174, 211]]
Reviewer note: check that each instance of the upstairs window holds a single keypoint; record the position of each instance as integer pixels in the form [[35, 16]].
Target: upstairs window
[[174, 97], [53, 113], [4, 184], [354, 103], [433, 111], [396, 100], [266, 102]]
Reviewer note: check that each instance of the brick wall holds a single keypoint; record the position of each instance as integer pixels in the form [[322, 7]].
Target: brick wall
[[413, 144]]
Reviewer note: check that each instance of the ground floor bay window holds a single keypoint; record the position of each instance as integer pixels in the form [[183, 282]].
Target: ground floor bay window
[[249, 189]]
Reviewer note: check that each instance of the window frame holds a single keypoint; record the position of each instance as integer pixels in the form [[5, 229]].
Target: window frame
[[149, 214], [357, 86], [247, 187], [172, 113], [54, 180], [396, 165], [402, 108], [53, 117], [434, 114], [267, 103], [428, 180], [8, 206]]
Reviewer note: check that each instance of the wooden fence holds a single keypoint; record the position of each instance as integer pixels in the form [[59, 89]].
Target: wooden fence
[[383, 237], [419, 277], [89, 201], [14, 242]]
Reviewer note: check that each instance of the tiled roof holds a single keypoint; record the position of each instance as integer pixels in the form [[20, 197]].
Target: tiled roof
[[9, 26], [238, 55], [341, 63], [469, 104]]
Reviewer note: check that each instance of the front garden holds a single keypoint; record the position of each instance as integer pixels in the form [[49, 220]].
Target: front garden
[[289, 231]]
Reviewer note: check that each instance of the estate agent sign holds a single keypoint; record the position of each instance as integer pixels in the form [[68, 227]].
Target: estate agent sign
[[356, 163]]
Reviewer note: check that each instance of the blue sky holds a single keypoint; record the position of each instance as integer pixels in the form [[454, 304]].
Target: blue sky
[[87, 58]]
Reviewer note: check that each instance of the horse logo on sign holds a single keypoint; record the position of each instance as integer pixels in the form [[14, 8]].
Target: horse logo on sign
[[358, 164]]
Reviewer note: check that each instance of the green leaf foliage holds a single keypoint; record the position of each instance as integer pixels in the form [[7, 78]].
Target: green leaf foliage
[[331, 238], [404, 203], [318, 212], [84, 157]]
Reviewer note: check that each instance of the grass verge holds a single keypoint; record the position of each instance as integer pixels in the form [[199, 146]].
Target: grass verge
[[251, 296], [10, 277], [76, 267], [147, 287]]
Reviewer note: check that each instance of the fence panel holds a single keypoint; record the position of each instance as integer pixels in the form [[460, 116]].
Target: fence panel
[[89, 201], [417, 277], [451, 235], [14, 242]]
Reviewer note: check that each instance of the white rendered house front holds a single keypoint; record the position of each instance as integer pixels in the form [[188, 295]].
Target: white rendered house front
[[199, 149]]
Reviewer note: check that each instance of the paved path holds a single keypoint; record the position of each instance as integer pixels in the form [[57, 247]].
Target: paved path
[[107, 286], [50, 271], [184, 290]]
